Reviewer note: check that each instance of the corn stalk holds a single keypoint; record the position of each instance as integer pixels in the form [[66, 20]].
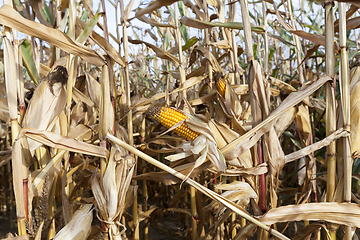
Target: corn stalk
[[345, 97]]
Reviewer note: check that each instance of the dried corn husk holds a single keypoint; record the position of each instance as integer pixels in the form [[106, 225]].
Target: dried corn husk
[[79, 226], [110, 192]]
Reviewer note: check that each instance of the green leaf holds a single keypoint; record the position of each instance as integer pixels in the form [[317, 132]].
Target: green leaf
[[167, 40], [47, 13], [84, 16], [28, 61], [89, 27], [190, 43], [184, 33], [181, 8]]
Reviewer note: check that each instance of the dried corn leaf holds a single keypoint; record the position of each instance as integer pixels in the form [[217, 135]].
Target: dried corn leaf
[[339, 213], [245, 159], [254, 171], [283, 122], [235, 191], [191, 22], [154, 5], [159, 52], [153, 22], [93, 88], [79, 226], [306, 231], [246, 141], [100, 199], [209, 56], [9, 17], [276, 156], [57, 141], [287, 88]]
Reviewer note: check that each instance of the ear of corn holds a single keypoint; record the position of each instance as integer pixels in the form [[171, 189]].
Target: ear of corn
[[220, 83], [169, 117]]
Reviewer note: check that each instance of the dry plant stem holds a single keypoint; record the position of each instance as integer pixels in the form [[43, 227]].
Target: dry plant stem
[[206, 41], [145, 188], [182, 81], [254, 111], [247, 30], [109, 62], [194, 214], [345, 87], [233, 53], [179, 45], [196, 185], [330, 117], [330, 103], [58, 24], [12, 103], [72, 60], [129, 114], [266, 40], [298, 46]]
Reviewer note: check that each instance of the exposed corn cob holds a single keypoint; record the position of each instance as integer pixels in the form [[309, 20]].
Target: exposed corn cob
[[169, 117], [220, 83]]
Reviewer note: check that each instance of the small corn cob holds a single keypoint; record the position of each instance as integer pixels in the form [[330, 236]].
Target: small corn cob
[[169, 117], [220, 83]]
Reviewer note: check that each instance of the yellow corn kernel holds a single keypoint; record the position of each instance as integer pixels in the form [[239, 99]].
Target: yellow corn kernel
[[169, 117]]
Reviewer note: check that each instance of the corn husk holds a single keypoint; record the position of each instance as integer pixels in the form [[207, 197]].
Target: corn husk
[[79, 226]]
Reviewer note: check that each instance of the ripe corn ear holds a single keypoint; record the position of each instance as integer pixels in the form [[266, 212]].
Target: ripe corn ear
[[220, 83], [169, 117]]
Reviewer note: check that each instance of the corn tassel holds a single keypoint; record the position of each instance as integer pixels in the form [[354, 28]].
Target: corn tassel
[[169, 117]]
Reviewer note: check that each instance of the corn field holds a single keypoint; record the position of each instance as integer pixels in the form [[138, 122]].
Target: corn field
[[192, 119]]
